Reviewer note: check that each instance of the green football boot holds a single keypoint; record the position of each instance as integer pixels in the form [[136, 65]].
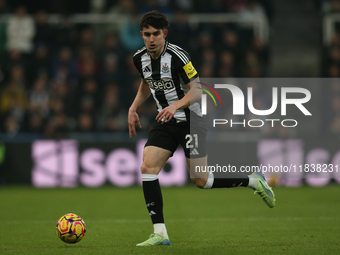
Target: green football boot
[[264, 190], [155, 239]]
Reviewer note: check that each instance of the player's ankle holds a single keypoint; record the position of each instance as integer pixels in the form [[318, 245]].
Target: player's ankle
[[210, 181], [252, 182], [160, 229]]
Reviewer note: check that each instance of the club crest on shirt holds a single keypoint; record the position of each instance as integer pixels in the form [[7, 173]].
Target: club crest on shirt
[[165, 68]]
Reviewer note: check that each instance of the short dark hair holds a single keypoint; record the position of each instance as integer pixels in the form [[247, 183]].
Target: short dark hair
[[154, 19]]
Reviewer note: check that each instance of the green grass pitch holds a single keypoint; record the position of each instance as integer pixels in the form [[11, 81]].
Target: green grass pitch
[[223, 221]]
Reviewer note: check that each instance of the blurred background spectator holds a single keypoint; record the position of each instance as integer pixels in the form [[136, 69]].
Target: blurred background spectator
[[20, 31]]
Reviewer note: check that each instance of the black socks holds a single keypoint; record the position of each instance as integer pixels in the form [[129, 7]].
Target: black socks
[[230, 182], [153, 200]]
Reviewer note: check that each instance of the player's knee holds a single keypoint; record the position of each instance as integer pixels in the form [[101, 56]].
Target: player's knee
[[199, 182], [145, 169]]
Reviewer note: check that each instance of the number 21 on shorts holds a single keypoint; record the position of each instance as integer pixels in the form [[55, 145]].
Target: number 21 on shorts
[[191, 138]]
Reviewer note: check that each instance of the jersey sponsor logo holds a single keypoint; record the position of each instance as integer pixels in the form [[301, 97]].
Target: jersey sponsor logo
[[160, 84], [190, 70], [165, 68]]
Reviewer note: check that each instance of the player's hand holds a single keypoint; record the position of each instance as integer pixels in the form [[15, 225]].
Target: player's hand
[[166, 114], [133, 119]]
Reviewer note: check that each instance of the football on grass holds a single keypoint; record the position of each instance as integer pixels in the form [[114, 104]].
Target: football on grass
[[71, 228]]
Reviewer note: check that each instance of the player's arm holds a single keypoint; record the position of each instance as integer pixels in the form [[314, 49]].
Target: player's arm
[[191, 97], [133, 119]]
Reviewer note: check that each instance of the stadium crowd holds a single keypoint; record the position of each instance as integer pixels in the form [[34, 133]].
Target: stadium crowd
[[67, 77]]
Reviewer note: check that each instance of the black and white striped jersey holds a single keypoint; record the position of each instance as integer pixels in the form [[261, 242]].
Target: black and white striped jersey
[[167, 77]]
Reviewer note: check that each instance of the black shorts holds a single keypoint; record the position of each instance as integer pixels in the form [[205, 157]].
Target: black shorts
[[169, 135]]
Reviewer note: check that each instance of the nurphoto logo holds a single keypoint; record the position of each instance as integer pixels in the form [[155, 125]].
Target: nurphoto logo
[[239, 105]]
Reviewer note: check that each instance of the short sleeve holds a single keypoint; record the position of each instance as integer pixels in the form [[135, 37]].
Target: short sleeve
[[185, 67], [138, 64]]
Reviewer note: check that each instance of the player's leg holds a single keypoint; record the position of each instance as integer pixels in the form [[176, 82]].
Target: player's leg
[[204, 179], [195, 152], [200, 179], [154, 158], [196, 156], [207, 180]]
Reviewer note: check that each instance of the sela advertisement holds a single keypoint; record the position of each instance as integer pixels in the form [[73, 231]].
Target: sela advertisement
[[70, 163]]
